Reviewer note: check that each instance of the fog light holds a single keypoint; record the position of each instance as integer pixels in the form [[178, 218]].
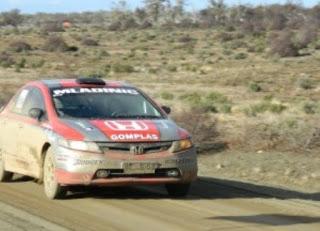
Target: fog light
[[172, 173], [103, 173]]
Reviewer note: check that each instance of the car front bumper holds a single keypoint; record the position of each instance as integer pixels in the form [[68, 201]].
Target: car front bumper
[[80, 168]]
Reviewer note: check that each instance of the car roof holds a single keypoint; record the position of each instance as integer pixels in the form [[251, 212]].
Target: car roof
[[66, 83]]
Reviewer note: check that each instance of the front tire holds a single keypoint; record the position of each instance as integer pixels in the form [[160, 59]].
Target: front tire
[[52, 188], [178, 190], [5, 176]]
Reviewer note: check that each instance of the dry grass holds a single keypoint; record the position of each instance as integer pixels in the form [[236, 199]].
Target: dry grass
[[180, 63]]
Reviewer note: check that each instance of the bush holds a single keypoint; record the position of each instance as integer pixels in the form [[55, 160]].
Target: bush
[[56, 43], [21, 63], [172, 68], [241, 56], [52, 27], [306, 83], [310, 107], [203, 129], [122, 68], [89, 42], [305, 36], [255, 87], [214, 102], [192, 98], [283, 45], [289, 134], [265, 106], [225, 37], [186, 39], [6, 60], [146, 25], [115, 26], [20, 46], [167, 95]]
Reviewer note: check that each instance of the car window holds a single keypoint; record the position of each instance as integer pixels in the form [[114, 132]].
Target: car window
[[20, 100], [103, 103], [29, 98]]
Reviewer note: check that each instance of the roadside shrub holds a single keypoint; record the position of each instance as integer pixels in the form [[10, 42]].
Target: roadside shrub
[[305, 83], [6, 60], [38, 64], [255, 87], [287, 134], [55, 43], [192, 98], [305, 36], [283, 45], [128, 23], [115, 26], [145, 25], [53, 26], [265, 106], [21, 63], [224, 36], [241, 56], [310, 107], [167, 95], [172, 68], [122, 68], [20, 46], [186, 39], [213, 102], [203, 129], [87, 41]]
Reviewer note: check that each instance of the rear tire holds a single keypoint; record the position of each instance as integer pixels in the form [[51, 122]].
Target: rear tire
[[52, 188], [5, 176], [178, 190]]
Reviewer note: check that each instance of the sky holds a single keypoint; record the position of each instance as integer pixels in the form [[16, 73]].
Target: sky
[[34, 6]]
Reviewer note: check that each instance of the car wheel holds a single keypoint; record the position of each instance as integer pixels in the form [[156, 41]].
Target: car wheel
[[5, 176], [52, 188], [178, 190]]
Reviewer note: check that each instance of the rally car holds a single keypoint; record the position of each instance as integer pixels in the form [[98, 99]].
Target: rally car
[[89, 131]]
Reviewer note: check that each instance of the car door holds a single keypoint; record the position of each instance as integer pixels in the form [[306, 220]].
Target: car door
[[32, 135], [10, 122]]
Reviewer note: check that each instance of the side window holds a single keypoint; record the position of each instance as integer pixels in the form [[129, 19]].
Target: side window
[[34, 100], [20, 100], [29, 98]]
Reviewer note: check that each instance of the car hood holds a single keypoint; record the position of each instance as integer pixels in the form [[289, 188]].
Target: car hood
[[127, 130]]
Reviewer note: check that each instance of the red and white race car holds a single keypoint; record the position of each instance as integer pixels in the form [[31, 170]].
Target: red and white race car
[[89, 131]]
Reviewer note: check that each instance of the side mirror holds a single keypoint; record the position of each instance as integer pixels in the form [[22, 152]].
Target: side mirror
[[36, 113], [166, 109]]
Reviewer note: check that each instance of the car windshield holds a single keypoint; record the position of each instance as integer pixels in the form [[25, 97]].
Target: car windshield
[[103, 103]]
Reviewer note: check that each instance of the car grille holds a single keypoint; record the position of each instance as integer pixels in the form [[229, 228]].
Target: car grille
[[148, 148]]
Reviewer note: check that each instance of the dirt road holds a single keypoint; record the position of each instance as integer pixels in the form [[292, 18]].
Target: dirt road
[[210, 206]]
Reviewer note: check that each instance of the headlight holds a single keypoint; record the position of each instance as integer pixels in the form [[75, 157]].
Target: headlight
[[181, 145], [79, 145]]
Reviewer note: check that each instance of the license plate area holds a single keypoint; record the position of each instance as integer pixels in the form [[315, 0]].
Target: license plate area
[[140, 167]]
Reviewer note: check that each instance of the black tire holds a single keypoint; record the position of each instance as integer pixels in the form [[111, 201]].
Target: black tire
[[52, 188], [178, 190], [5, 176]]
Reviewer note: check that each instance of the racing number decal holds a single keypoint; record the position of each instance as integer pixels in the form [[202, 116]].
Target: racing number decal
[[127, 125]]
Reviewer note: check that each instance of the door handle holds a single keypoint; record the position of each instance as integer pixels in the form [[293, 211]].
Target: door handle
[[20, 126]]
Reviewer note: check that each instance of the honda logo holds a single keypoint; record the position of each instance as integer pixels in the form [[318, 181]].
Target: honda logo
[[127, 125], [137, 150]]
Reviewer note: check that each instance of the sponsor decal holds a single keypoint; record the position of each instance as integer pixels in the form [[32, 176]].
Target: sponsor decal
[[128, 130], [134, 136], [127, 125], [69, 91]]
